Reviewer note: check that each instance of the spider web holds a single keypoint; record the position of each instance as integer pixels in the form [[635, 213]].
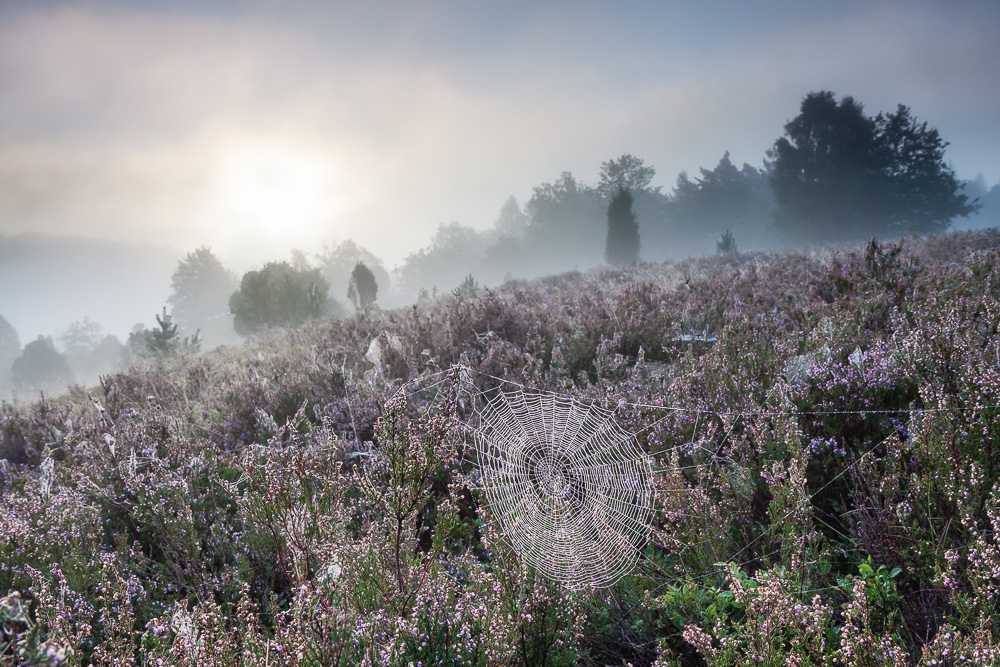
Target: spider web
[[574, 494], [571, 491]]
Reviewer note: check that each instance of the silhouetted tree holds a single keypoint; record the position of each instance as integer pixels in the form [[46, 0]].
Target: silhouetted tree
[[824, 171], [278, 295], [659, 236], [720, 199], [567, 225], [199, 300], [622, 246], [922, 193], [337, 262], [88, 350], [512, 221], [726, 245], [454, 252], [363, 289], [10, 349], [627, 172], [41, 367], [838, 174], [81, 337]]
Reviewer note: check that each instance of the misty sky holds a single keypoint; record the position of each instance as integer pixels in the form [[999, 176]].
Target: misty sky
[[257, 127]]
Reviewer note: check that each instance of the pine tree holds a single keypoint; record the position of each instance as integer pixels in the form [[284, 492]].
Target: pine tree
[[623, 230], [726, 245], [164, 342]]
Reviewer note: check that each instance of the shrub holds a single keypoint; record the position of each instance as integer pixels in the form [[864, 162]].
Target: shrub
[[278, 295]]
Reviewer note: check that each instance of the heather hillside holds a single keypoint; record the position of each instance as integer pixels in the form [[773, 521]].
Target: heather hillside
[[823, 425]]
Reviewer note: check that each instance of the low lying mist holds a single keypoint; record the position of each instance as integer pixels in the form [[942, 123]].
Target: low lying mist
[[72, 309]]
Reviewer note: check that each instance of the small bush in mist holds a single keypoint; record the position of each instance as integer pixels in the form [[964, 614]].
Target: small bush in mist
[[726, 245], [164, 342]]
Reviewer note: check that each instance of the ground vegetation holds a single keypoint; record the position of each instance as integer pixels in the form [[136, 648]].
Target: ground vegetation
[[826, 490]]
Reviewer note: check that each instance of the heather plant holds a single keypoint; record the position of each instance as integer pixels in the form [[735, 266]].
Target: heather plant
[[44, 524], [393, 509], [19, 636], [825, 477], [64, 614], [796, 544], [779, 624], [543, 622], [290, 495], [954, 647]]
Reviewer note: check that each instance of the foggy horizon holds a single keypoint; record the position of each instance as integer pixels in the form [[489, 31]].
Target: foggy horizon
[[257, 129]]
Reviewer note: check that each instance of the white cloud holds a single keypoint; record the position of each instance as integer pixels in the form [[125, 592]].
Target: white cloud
[[116, 123]]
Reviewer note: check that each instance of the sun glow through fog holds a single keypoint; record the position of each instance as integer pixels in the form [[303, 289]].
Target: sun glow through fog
[[276, 190]]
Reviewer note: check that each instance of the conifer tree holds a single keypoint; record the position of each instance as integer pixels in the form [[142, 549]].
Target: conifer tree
[[623, 230], [363, 288], [726, 245], [164, 342]]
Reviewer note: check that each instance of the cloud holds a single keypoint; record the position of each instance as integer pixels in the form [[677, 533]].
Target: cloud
[[116, 122]]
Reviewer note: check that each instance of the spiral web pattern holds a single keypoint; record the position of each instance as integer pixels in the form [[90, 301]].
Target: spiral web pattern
[[571, 490]]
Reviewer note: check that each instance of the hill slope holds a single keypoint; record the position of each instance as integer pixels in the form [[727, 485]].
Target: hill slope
[[823, 427]]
